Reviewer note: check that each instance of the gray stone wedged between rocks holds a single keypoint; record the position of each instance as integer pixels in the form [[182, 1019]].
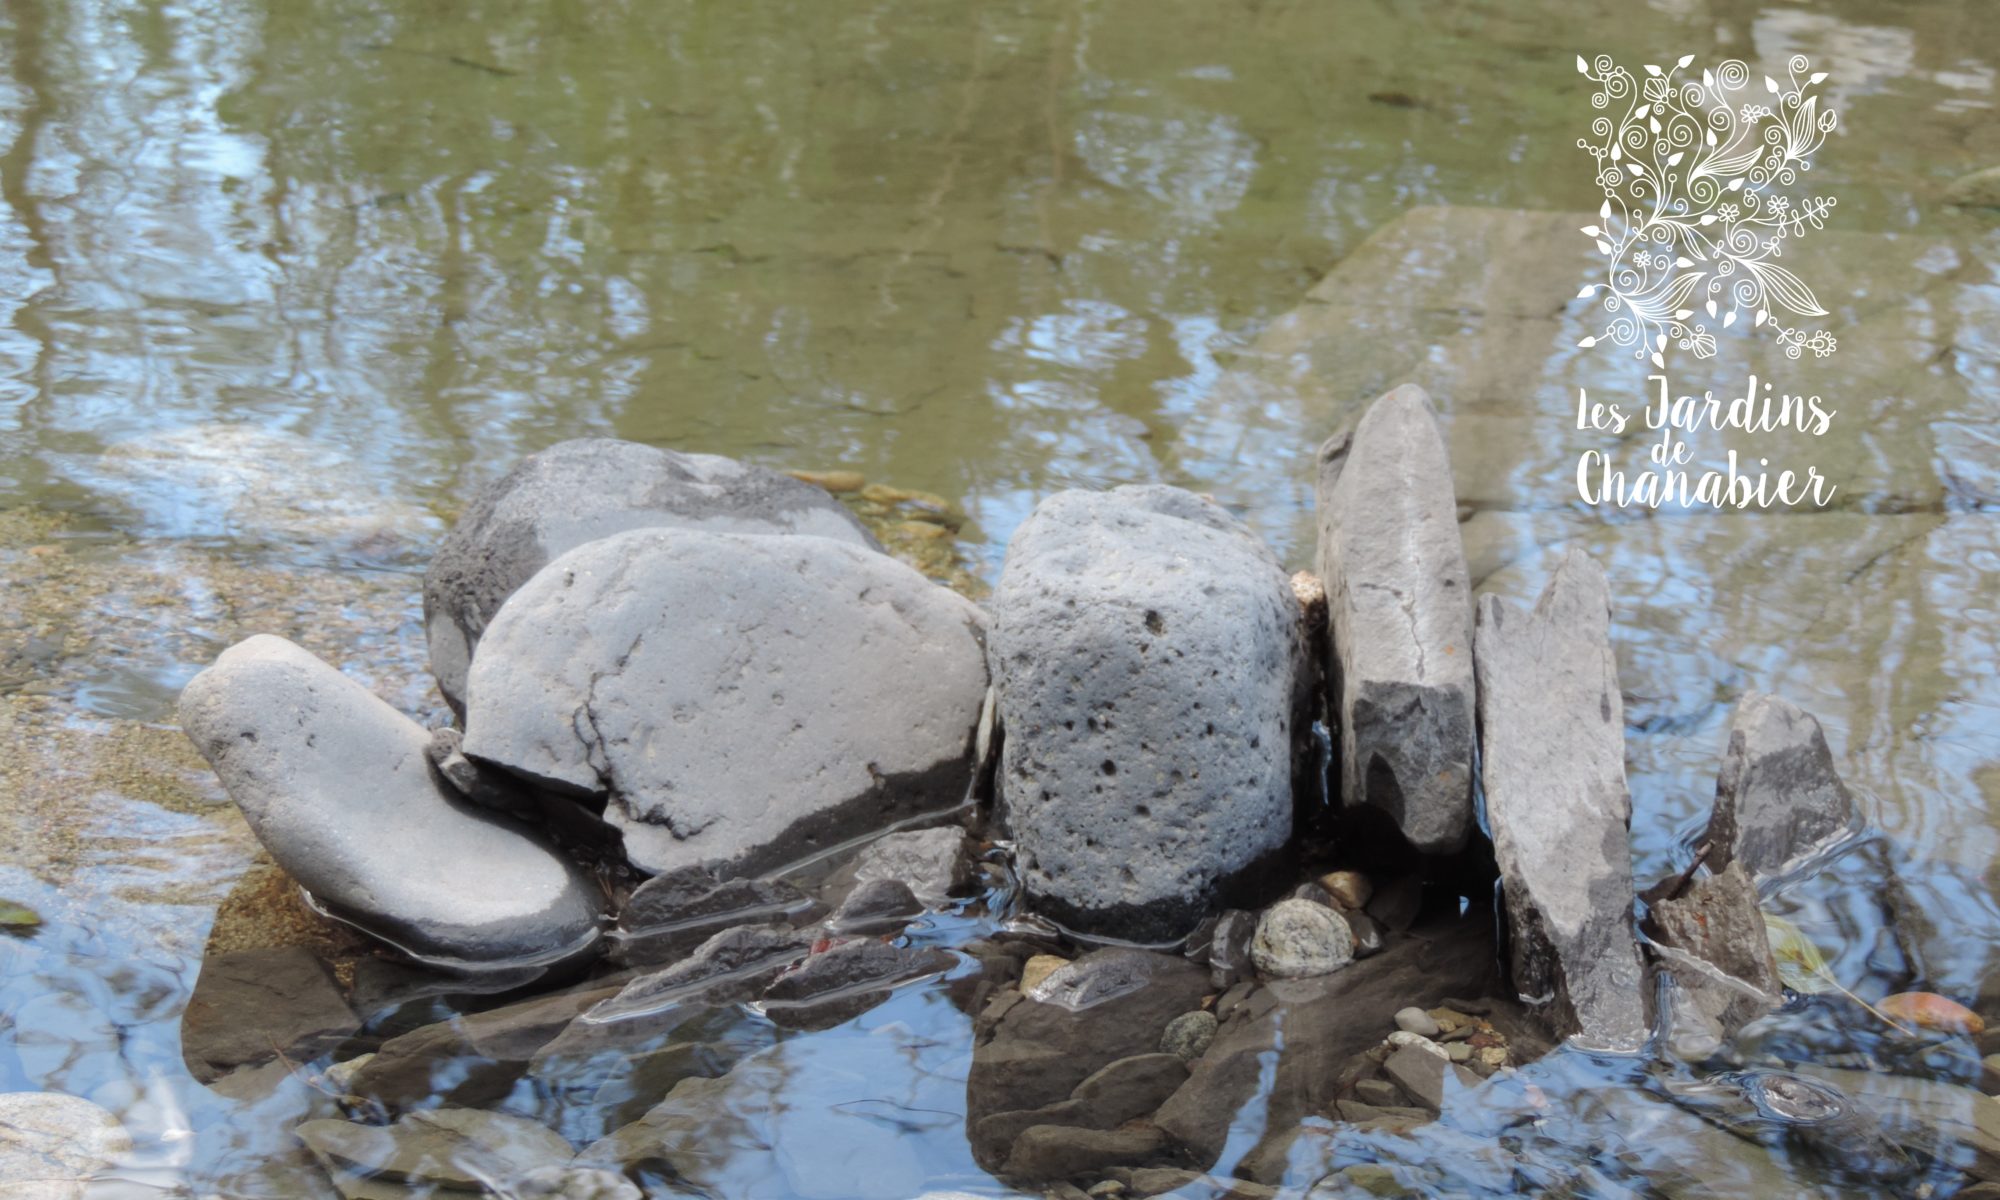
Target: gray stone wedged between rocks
[[743, 701], [1778, 798], [1147, 656], [1399, 610], [578, 491], [337, 786], [1552, 745]]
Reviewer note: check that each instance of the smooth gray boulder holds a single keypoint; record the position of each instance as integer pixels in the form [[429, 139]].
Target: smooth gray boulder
[[742, 701], [1399, 607], [1552, 746], [1778, 799], [578, 491], [1147, 655], [337, 786]]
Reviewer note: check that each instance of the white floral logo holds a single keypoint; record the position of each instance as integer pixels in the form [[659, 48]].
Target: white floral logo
[[1692, 221]]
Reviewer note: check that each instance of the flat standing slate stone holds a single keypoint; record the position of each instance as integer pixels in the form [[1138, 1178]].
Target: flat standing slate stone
[[744, 701], [1399, 604], [52, 1144], [1552, 745], [1778, 799], [1733, 979], [337, 786], [252, 1005], [1147, 655], [578, 491]]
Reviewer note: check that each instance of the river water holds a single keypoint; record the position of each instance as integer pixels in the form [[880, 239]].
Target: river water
[[279, 284]]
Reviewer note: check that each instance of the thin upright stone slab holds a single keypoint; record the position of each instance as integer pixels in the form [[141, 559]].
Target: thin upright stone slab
[[1552, 739], [1399, 674], [1778, 799]]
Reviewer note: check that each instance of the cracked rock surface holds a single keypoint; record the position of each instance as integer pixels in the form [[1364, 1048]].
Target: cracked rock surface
[[581, 490], [1778, 798], [742, 701], [1552, 745], [1399, 604], [1147, 654]]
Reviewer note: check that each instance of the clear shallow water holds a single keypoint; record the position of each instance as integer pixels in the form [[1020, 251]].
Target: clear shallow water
[[985, 255]]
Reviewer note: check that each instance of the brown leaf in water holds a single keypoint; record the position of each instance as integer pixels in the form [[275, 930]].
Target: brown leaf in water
[[1928, 1010]]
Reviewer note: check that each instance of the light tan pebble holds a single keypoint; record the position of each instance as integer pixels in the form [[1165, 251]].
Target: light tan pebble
[[882, 493], [832, 481], [340, 1076], [922, 530], [1449, 1019], [1402, 1038], [1107, 1188], [1493, 1056], [1350, 889], [1038, 968], [1458, 1052]]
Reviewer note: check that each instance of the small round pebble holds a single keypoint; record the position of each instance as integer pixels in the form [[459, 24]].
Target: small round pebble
[[1187, 1036], [1350, 888], [1417, 1021], [1298, 938], [1038, 968]]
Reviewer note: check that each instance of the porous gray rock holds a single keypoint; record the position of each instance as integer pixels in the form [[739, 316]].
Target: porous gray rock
[[252, 1005], [1778, 798], [578, 491], [52, 1145], [1552, 746], [743, 701], [1187, 1036], [1147, 656], [337, 786], [1297, 938], [1399, 606]]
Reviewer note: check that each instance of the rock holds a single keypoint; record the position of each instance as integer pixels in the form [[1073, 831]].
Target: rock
[[669, 915], [742, 701], [1349, 889], [1417, 1021], [1152, 1181], [472, 1059], [1399, 604], [1061, 1151], [1188, 1035], [1397, 904], [832, 481], [251, 1005], [1552, 746], [1366, 933], [1423, 1075], [737, 962], [1404, 1040], [1039, 968], [880, 905], [1108, 1005], [1147, 655], [1226, 949], [579, 491], [463, 1149], [487, 789], [1131, 1087], [1778, 799], [932, 863], [1724, 954], [635, 1081], [844, 981], [1281, 1052], [1981, 189], [52, 1145], [1378, 1093], [1940, 1121], [1989, 1074], [337, 786], [1297, 938], [576, 1183]]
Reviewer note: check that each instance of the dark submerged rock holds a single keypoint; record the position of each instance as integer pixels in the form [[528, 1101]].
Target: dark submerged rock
[[252, 1005]]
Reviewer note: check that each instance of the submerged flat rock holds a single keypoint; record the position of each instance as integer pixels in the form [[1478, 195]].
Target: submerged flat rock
[[1399, 604], [743, 701], [1146, 652], [337, 786], [1552, 744], [581, 490]]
